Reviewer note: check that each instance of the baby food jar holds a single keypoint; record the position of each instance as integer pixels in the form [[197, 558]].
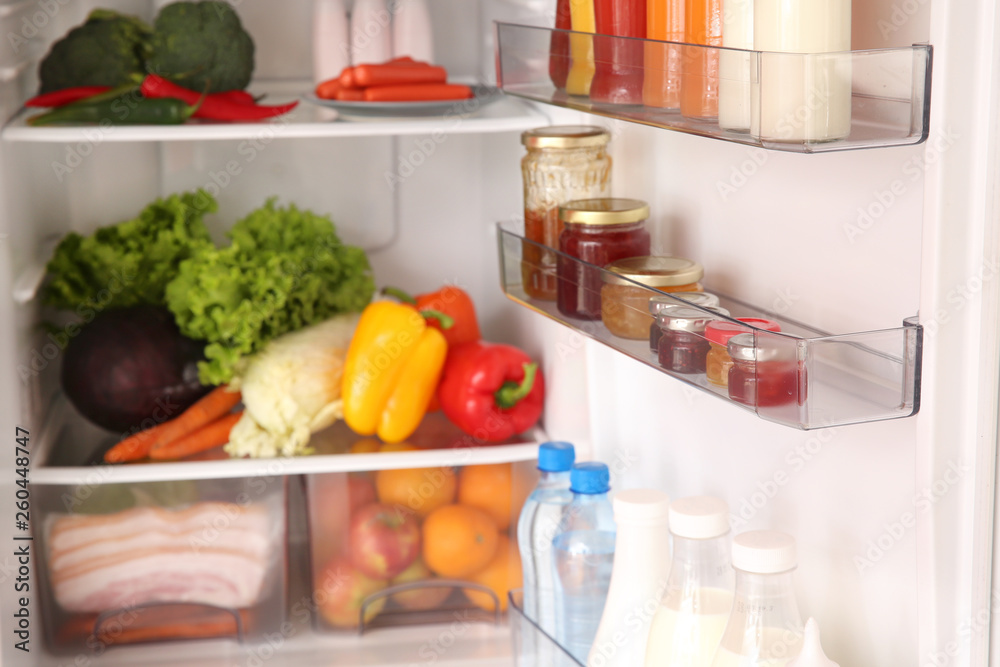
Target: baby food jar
[[718, 362], [596, 232], [563, 163], [760, 377], [625, 305], [658, 303], [683, 346]]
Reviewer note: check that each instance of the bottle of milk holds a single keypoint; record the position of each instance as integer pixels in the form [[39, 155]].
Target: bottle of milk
[[764, 627], [688, 624]]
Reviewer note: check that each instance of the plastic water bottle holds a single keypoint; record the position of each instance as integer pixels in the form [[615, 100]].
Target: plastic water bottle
[[584, 555], [536, 527]]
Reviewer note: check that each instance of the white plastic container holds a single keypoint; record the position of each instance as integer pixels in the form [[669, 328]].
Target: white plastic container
[[371, 32], [638, 578], [734, 66], [331, 39], [690, 620], [411, 31], [803, 92]]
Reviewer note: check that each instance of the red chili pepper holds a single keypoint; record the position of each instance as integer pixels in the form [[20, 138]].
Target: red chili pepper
[[58, 98], [213, 107], [491, 391]]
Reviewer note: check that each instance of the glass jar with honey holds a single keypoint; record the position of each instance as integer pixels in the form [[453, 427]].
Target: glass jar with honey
[[563, 163], [625, 304]]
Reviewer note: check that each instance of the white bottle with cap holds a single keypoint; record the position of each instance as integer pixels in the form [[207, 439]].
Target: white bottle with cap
[[331, 43], [638, 577], [764, 627], [812, 654], [412, 34], [688, 625], [371, 32]]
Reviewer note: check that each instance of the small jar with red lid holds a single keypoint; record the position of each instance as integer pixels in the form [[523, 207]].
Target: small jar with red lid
[[625, 304], [658, 303], [760, 377], [718, 362], [683, 346], [596, 232]]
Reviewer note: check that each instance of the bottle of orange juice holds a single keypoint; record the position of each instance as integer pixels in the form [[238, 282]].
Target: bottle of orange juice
[[662, 64], [700, 65], [581, 47]]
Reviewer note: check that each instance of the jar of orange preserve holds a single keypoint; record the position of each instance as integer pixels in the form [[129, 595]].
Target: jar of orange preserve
[[563, 163], [625, 304]]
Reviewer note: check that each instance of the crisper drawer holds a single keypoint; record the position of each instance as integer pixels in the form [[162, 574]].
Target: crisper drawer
[[430, 542], [157, 561]]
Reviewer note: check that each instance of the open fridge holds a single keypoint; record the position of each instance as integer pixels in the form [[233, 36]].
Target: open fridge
[[883, 258]]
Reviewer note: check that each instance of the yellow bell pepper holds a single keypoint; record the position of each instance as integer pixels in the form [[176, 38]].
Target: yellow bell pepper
[[392, 368]]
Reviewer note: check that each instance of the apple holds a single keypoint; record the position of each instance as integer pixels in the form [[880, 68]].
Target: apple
[[383, 540], [419, 598], [340, 591], [360, 492]]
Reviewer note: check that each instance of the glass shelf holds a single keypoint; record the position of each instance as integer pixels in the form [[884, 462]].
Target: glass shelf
[[826, 379], [795, 102]]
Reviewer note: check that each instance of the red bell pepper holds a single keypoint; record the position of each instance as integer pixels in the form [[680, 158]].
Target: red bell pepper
[[453, 302], [491, 391]]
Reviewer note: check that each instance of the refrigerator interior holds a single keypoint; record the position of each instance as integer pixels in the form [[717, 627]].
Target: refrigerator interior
[[893, 519]]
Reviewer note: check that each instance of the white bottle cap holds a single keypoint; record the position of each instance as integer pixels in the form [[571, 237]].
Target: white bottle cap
[[699, 517], [764, 552], [812, 654], [647, 507]]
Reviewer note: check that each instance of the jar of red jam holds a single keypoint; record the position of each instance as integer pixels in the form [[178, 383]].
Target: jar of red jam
[[625, 304], [760, 378], [718, 362], [596, 232], [683, 345], [658, 303], [562, 163]]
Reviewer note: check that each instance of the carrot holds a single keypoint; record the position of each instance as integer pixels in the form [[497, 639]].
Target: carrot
[[350, 95], [327, 90], [397, 74], [418, 92], [207, 409], [207, 437]]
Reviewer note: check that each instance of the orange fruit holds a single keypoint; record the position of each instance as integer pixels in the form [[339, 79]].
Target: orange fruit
[[501, 575], [422, 490], [488, 487], [459, 540]]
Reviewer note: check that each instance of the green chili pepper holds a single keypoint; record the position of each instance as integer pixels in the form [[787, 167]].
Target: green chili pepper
[[124, 109]]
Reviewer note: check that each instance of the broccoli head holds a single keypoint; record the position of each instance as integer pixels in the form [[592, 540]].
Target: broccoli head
[[108, 50], [202, 46]]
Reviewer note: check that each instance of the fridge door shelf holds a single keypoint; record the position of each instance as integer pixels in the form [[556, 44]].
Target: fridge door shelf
[[532, 646], [793, 102], [478, 115], [62, 453], [806, 378]]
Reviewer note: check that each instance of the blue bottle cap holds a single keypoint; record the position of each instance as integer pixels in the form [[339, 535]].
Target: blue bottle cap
[[589, 477], [556, 456]]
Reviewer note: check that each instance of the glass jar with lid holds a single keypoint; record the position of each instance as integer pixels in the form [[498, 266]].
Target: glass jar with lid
[[596, 232], [562, 163], [718, 362], [683, 346], [763, 376], [625, 305], [658, 303]]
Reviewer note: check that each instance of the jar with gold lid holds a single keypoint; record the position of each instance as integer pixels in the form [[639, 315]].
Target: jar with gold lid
[[625, 305], [596, 232], [562, 163]]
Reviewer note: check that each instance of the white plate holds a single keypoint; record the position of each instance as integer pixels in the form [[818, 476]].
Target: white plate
[[482, 95]]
